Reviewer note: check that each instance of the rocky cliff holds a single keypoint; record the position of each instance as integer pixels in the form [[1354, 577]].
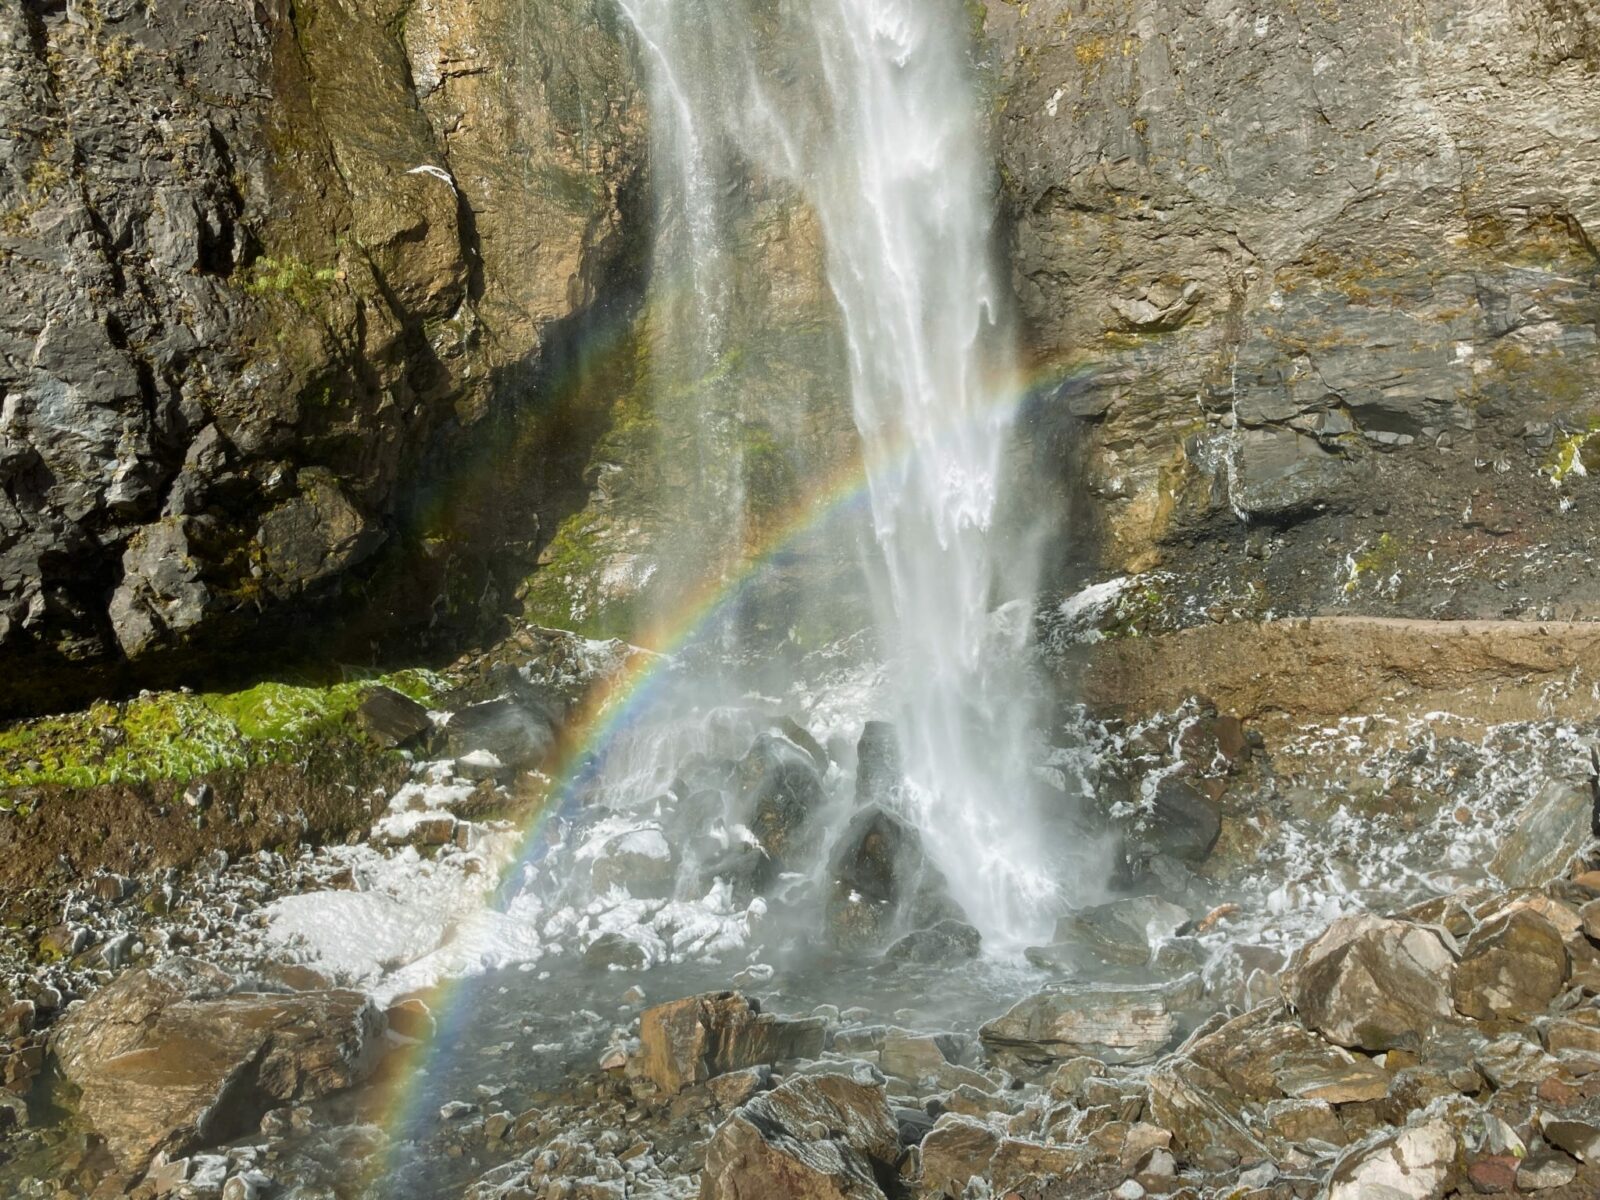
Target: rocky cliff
[[325, 322], [284, 284], [1314, 288]]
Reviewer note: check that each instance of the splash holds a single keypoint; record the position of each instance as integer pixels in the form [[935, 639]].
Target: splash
[[868, 109]]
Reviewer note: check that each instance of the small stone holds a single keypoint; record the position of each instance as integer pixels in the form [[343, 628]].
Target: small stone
[[614, 1059], [496, 1126], [633, 996], [199, 797], [391, 718], [1539, 1172], [1129, 1189], [1494, 1175], [456, 1109], [411, 1018], [1259, 1176], [17, 1019], [1159, 1164], [1578, 1138]]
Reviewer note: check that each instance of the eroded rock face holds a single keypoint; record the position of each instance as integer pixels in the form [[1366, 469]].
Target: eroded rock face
[[173, 1058], [232, 338], [1252, 209], [1114, 1024]]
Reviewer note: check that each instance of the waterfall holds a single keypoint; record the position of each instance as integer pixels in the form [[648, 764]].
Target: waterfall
[[869, 109]]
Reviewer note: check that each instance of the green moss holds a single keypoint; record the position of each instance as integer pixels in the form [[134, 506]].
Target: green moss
[[291, 278], [1375, 561], [176, 736], [566, 591], [1576, 454]]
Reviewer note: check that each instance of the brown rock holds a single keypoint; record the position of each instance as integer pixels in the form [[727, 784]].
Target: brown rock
[[817, 1137], [161, 1055], [955, 1151], [1510, 968], [1113, 1024], [1493, 1175], [691, 1040], [1372, 983]]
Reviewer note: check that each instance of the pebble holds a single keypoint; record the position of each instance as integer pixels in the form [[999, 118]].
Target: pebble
[[1541, 1171], [1129, 1189], [456, 1109]]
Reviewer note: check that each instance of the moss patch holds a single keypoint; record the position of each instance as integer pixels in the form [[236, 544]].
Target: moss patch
[[176, 736]]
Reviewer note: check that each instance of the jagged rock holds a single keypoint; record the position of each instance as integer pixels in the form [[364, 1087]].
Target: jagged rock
[[691, 1040], [640, 860], [1548, 833], [1512, 1059], [1510, 968], [948, 941], [1372, 983], [917, 1057], [781, 793], [1120, 932], [392, 718], [880, 878], [1113, 1024], [878, 775], [1581, 1139], [1300, 1121], [815, 1137], [172, 1058], [1181, 821], [1416, 1163]]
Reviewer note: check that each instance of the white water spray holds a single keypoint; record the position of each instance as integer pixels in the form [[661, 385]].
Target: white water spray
[[868, 108]]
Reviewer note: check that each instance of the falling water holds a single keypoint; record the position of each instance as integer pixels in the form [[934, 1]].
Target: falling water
[[869, 109]]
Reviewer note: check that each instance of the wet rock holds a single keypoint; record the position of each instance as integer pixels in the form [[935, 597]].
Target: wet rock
[[1548, 834], [917, 1057], [1122, 932], [816, 1137], [735, 1087], [1416, 1163], [518, 730], [1113, 1024], [1539, 1172], [173, 1058], [691, 1040], [640, 861], [947, 941], [392, 718], [878, 775], [1372, 983], [613, 949], [879, 878], [1511, 968], [1180, 822], [780, 791]]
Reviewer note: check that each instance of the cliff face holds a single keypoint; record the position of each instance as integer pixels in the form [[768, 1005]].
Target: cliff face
[[323, 321], [273, 273], [1316, 286]]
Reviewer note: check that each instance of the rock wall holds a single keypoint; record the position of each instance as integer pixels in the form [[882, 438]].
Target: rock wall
[[273, 274], [1327, 268]]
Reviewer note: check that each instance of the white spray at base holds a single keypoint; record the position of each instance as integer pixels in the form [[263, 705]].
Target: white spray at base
[[869, 109]]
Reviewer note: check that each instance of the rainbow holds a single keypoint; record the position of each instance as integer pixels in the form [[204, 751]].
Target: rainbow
[[623, 698]]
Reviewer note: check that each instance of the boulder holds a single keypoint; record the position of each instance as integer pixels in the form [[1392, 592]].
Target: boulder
[[780, 793], [878, 774], [1179, 821], [1511, 968], [181, 1056], [639, 860], [1113, 1024], [517, 730], [1415, 1163], [1123, 932], [880, 879], [948, 941], [825, 1136], [955, 1151], [691, 1040], [392, 718], [1373, 983], [1549, 832]]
